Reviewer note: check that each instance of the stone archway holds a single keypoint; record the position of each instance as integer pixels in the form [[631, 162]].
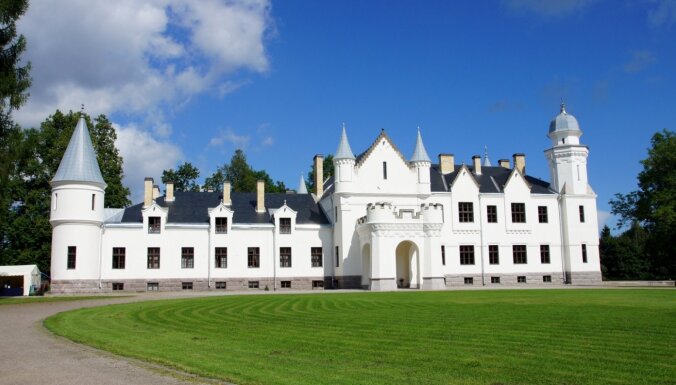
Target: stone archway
[[366, 266], [408, 272]]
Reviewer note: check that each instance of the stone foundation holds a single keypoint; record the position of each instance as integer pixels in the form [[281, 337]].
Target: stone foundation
[[383, 284], [433, 283], [532, 279], [592, 278], [347, 282]]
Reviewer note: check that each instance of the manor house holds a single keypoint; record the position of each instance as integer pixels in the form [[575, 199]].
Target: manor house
[[382, 222]]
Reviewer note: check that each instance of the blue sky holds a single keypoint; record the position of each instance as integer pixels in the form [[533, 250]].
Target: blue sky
[[186, 81]]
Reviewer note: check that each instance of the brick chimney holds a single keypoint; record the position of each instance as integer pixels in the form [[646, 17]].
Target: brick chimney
[[504, 163], [520, 163], [476, 163], [260, 196], [147, 192], [319, 175], [170, 192], [226, 193], [446, 163]]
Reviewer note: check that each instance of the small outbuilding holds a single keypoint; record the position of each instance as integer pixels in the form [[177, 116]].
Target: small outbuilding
[[19, 280]]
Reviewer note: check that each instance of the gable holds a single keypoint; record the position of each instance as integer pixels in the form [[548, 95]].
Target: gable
[[516, 184], [464, 182], [383, 169]]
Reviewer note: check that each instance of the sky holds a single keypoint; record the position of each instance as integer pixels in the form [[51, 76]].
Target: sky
[[192, 81]]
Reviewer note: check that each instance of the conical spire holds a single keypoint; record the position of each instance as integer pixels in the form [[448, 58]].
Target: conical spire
[[344, 151], [487, 162], [420, 154], [79, 162], [302, 187]]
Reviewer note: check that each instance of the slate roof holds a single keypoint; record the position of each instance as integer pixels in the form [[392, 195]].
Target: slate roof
[[79, 162], [491, 180], [192, 207]]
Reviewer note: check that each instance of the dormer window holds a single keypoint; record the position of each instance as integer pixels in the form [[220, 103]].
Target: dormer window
[[154, 225], [221, 225], [285, 225]]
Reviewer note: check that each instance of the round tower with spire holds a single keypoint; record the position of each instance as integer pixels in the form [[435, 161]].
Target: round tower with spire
[[343, 165], [76, 215], [422, 163]]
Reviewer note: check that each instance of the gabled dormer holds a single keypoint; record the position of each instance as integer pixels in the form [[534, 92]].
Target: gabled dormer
[[464, 182], [220, 218], [465, 210], [516, 183], [520, 214], [284, 219], [154, 218]]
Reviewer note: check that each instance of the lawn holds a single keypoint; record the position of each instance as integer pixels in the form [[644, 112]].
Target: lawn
[[449, 337], [39, 299]]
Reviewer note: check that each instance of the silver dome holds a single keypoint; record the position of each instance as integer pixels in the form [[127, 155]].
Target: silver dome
[[564, 122]]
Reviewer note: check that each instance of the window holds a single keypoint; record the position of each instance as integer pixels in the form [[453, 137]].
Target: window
[[118, 286], [493, 255], [581, 214], [584, 252], [153, 257], [72, 251], [337, 256], [254, 256], [286, 284], [284, 257], [154, 225], [469, 281], [546, 278], [518, 213], [544, 254], [384, 170], [466, 255], [542, 214], [316, 256], [317, 284], [465, 211], [492, 214], [153, 286], [187, 258], [521, 279], [221, 225], [335, 216], [221, 254], [119, 254], [253, 284], [56, 200], [519, 254], [93, 201], [285, 225], [443, 255], [221, 285], [495, 279], [186, 285]]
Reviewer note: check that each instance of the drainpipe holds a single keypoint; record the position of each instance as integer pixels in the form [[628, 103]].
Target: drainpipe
[[274, 257], [209, 259], [101, 256], [481, 231], [562, 240]]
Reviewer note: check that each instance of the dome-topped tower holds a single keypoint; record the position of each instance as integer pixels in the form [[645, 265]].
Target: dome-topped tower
[[564, 128]]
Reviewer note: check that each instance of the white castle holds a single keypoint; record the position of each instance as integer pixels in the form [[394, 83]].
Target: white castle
[[382, 222]]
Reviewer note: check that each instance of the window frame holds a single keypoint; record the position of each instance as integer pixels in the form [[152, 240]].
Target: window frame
[[117, 286], [254, 284], [495, 280], [518, 212], [581, 210], [221, 285], [466, 253], [545, 254], [221, 256], [546, 279], [584, 253], [285, 257], [285, 225], [316, 257], [466, 212], [71, 258], [154, 259], [468, 280], [543, 214], [492, 214], [154, 225], [521, 279], [520, 254], [187, 257], [493, 254], [285, 284], [186, 285], [119, 258], [443, 255], [221, 228], [253, 257]]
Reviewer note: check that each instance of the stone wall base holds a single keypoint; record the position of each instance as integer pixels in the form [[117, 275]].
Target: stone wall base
[[433, 283], [383, 284], [532, 279], [347, 282], [586, 278]]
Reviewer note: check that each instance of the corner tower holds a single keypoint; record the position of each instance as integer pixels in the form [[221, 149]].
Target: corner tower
[[343, 164], [421, 161], [76, 215]]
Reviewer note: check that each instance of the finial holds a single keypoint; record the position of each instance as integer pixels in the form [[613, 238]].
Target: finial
[[284, 202], [486, 151], [563, 106], [343, 125], [418, 128]]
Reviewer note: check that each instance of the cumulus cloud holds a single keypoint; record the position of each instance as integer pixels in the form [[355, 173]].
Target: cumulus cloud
[[230, 136], [604, 218], [639, 61], [139, 58], [548, 7]]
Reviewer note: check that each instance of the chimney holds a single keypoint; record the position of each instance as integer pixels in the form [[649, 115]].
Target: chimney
[[504, 163], [170, 192], [147, 192], [260, 196], [319, 175], [520, 163], [446, 163], [476, 163], [156, 191], [226, 194]]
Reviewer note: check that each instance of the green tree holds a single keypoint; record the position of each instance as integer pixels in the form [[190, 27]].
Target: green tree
[[653, 205], [184, 177], [14, 79], [328, 172], [241, 176], [623, 257]]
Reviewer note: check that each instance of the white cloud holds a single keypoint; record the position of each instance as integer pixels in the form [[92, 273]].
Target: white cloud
[[604, 218], [230, 136], [548, 7], [639, 61]]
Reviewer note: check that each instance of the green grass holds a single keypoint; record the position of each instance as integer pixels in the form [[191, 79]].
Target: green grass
[[453, 337], [38, 299]]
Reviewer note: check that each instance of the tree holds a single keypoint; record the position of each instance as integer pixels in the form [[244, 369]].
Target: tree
[[328, 171], [184, 177], [623, 257], [14, 79], [653, 205], [241, 176]]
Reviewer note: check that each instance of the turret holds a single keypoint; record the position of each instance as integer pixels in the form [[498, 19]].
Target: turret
[[421, 161], [76, 214], [343, 164], [567, 158]]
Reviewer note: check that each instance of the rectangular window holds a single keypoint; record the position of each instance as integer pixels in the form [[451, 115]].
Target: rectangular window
[[518, 213], [492, 214], [581, 214], [316, 256], [187, 258], [284, 257], [335, 219], [221, 254], [495, 279], [286, 284], [469, 281], [546, 278], [119, 256], [72, 251], [466, 254], [118, 286], [221, 225], [521, 279], [221, 285], [493, 255], [153, 257], [384, 170], [317, 284], [186, 285], [153, 286], [584, 252], [466, 211], [93, 201], [337, 256], [285, 225], [542, 214], [254, 257], [154, 225], [253, 284], [443, 255], [519, 254], [544, 254]]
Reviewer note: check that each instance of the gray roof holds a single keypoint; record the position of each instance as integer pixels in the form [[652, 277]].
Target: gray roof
[[491, 180], [564, 121], [344, 151], [79, 162], [192, 207], [420, 154]]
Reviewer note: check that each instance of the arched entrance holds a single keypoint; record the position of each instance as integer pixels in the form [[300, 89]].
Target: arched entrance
[[366, 266], [407, 265]]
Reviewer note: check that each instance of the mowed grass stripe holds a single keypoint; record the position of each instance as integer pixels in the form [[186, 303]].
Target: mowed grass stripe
[[479, 337]]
